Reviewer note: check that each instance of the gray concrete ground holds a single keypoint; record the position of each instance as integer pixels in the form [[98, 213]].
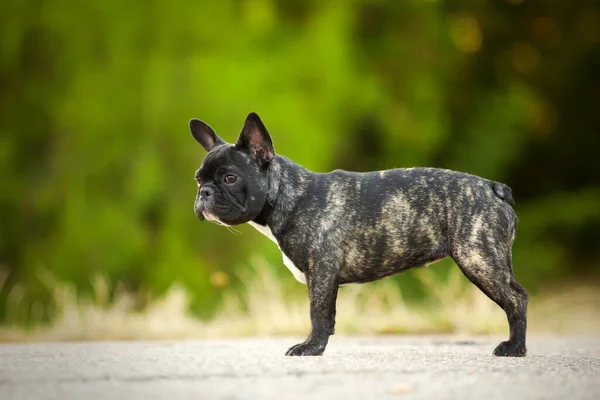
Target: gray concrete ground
[[429, 367]]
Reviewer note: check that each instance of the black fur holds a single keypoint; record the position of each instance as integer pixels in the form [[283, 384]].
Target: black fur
[[343, 227]]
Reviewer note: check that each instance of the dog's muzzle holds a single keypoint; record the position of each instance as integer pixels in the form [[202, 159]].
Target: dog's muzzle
[[199, 211]]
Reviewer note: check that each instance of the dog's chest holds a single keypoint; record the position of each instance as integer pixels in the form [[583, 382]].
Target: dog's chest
[[265, 230]]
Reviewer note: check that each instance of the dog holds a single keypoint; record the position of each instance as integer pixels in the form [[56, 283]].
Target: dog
[[348, 227]]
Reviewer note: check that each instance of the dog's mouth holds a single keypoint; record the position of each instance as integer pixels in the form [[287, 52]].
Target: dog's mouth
[[199, 211], [213, 212], [205, 214], [208, 215]]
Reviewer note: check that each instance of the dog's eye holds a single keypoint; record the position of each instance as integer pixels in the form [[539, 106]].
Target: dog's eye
[[230, 179]]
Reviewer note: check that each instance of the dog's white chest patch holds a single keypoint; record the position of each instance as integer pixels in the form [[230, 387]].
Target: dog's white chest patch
[[265, 230]]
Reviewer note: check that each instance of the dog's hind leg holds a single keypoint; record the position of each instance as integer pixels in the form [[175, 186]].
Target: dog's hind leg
[[491, 272]]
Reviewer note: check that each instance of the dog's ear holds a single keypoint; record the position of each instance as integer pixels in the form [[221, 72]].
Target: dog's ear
[[204, 134], [255, 138]]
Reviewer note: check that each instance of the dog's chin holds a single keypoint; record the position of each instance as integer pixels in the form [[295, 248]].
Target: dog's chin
[[209, 216]]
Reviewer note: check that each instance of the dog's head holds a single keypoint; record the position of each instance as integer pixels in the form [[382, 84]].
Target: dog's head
[[232, 180]]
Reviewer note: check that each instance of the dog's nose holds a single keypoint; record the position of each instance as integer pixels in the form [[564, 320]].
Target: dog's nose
[[206, 192]]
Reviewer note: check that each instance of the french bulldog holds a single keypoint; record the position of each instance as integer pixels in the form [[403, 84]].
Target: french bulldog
[[348, 227]]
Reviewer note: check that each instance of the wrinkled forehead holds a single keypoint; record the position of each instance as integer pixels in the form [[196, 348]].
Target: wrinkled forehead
[[225, 156]]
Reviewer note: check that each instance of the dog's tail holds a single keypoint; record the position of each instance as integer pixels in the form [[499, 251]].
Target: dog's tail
[[503, 191]]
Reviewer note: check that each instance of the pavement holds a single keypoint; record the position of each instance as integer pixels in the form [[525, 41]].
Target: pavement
[[388, 367]]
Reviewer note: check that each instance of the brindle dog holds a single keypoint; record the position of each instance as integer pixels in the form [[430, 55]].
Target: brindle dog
[[348, 227]]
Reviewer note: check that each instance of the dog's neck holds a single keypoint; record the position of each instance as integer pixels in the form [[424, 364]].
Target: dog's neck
[[287, 184]]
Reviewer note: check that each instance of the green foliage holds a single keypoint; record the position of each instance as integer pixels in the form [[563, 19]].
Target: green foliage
[[97, 164]]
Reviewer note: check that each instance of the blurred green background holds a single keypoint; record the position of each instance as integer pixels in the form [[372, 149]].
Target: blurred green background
[[97, 163]]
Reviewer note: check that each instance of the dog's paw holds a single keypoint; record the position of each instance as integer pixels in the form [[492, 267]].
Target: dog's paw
[[306, 349], [510, 349]]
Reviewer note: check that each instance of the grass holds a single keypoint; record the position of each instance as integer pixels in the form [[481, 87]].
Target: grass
[[454, 306]]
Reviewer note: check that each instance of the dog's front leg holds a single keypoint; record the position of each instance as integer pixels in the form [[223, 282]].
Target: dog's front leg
[[322, 283]]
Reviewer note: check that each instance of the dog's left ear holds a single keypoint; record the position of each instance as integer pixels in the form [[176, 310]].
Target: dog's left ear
[[255, 138]]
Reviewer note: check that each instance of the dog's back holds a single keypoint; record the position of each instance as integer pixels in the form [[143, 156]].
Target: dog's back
[[385, 222]]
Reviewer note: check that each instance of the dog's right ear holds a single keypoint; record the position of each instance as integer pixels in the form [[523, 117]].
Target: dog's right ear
[[204, 134]]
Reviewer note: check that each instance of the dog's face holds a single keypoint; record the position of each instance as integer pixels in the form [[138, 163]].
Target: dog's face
[[232, 180]]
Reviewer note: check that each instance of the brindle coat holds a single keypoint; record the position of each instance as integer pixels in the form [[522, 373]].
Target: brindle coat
[[348, 227]]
